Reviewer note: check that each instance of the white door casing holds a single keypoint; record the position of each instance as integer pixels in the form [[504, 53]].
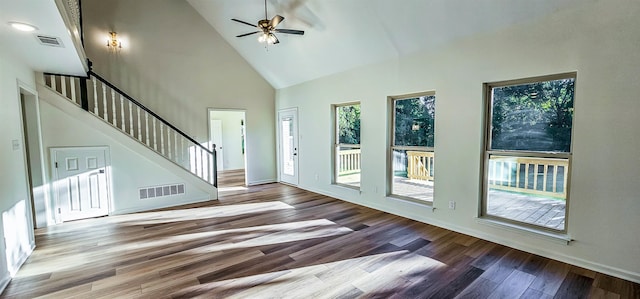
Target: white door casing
[[288, 145], [216, 138], [81, 182]]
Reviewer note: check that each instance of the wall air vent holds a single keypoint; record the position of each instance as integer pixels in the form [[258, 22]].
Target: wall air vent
[[51, 41], [161, 191]]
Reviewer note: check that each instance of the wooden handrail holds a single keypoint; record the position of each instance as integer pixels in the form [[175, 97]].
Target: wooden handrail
[[116, 89], [131, 99], [113, 110]]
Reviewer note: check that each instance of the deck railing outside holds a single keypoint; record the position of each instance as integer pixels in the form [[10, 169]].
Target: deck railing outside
[[420, 165], [348, 161], [539, 176], [102, 99], [542, 176]]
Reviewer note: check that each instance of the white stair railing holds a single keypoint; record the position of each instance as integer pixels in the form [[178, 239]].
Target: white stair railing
[[118, 109]]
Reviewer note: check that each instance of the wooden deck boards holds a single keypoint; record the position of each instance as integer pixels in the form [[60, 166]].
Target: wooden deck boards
[[527, 208], [277, 241]]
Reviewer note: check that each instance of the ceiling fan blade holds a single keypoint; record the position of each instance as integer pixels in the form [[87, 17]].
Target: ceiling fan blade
[[290, 31], [275, 21], [250, 33], [276, 39], [243, 22]]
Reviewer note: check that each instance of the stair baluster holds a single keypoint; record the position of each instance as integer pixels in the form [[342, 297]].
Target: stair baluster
[[95, 96], [131, 120], [161, 139], [113, 109], [122, 122], [139, 125]]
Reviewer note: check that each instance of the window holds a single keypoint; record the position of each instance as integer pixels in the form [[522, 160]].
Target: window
[[528, 151], [347, 145], [411, 154]]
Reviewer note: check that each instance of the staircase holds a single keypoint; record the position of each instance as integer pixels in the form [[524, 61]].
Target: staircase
[[105, 101]]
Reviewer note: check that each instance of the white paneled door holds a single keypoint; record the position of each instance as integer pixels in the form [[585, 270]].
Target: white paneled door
[[288, 132], [81, 182]]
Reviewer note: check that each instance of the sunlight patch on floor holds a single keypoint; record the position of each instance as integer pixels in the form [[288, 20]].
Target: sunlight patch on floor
[[235, 238], [229, 189], [319, 281]]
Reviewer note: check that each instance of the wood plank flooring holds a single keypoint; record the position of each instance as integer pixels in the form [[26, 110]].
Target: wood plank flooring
[[277, 241], [231, 178]]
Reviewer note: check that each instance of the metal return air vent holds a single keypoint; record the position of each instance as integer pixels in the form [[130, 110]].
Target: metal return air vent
[[161, 191], [51, 41]]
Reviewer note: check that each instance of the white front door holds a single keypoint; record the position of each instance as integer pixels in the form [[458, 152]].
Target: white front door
[[288, 131], [216, 138], [81, 182]]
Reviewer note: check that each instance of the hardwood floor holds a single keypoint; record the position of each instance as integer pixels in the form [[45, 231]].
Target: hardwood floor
[[231, 178], [277, 241]]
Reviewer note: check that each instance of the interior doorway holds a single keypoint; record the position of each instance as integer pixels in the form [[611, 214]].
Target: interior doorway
[[18, 220], [227, 132]]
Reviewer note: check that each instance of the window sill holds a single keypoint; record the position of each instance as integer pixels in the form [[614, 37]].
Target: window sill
[[347, 187], [411, 200], [556, 237]]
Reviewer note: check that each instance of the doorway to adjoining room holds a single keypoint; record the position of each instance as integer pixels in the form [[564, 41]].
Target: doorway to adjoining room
[[227, 133]]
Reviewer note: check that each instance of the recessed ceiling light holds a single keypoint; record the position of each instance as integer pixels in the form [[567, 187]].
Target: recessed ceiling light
[[23, 26]]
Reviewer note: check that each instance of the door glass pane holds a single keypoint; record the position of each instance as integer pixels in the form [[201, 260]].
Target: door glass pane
[[413, 174], [288, 166]]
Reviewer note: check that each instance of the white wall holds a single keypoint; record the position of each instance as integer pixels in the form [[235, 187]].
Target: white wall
[[130, 169], [13, 176], [598, 39], [176, 64], [231, 138]]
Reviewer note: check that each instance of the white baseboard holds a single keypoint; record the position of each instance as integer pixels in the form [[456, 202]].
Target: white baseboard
[[261, 182], [155, 207], [23, 258], [4, 282]]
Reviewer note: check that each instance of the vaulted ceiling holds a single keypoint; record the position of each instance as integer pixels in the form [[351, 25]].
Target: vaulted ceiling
[[339, 34], [343, 34]]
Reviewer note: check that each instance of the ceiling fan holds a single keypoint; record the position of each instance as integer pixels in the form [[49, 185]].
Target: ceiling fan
[[268, 28]]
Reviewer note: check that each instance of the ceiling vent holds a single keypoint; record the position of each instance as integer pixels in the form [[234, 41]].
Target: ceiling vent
[[51, 41]]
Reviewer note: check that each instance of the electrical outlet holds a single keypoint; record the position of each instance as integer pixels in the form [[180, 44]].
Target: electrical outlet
[[452, 205], [316, 176], [375, 189]]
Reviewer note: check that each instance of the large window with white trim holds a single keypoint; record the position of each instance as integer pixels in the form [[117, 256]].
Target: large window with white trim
[[411, 162], [347, 145], [528, 151]]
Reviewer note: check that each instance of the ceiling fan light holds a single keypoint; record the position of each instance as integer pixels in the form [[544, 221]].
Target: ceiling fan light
[[271, 39], [262, 38]]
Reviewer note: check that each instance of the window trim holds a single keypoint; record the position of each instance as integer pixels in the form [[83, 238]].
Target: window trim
[[391, 107], [487, 152], [336, 145]]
